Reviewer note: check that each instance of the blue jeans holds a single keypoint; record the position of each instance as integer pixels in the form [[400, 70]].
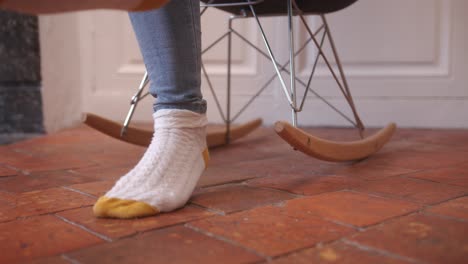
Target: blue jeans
[[169, 40]]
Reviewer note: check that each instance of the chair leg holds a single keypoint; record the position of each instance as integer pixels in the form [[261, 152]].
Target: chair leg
[[228, 84], [292, 68], [341, 84], [271, 55], [134, 102], [359, 123]]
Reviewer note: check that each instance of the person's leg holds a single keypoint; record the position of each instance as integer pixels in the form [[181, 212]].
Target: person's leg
[[57, 6], [166, 176], [169, 40]]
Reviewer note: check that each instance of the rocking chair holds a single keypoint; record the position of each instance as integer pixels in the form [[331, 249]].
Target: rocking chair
[[297, 138]]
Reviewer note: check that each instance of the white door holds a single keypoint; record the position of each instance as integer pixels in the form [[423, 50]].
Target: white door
[[405, 61]]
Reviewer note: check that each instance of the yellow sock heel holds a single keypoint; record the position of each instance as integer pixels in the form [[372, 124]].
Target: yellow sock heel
[[206, 157], [119, 208]]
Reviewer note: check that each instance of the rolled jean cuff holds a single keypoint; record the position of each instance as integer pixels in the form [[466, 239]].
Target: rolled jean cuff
[[197, 107]]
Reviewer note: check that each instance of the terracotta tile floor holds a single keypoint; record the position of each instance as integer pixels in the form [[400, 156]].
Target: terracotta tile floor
[[259, 201]]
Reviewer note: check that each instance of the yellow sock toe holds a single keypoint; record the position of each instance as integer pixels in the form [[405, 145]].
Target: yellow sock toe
[[119, 208], [150, 4]]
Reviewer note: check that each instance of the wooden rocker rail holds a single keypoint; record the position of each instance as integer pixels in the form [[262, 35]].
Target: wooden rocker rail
[[332, 150], [143, 137]]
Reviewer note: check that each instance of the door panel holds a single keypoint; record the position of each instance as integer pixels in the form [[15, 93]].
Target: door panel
[[405, 61]]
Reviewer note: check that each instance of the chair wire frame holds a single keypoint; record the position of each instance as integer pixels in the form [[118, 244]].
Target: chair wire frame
[[317, 37]]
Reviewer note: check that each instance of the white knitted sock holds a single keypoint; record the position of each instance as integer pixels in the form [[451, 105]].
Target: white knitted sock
[[166, 176]]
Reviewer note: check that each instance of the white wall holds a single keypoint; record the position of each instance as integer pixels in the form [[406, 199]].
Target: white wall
[[61, 78], [406, 62]]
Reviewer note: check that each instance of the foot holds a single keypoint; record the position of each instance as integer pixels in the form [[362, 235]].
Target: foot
[[168, 172]]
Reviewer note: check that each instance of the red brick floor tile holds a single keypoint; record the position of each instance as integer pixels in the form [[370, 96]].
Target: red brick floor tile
[[457, 138], [126, 156], [292, 164], [7, 207], [426, 238], [4, 171], [115, 228], [366, 172], [49, 260], [457, 175], [48, 145], [7, 212], [8, 197], [235, 198], [417, 146], [353, 208], [413, 190], [98, 188], [418, 160], [40, 236], [170, 245], [8, 154], [433, 162], [306, 185], [67, 137], [49, 201], [241, 151], [82, 140], [272, 230], [307, 166], [339, 253], [40, 180], [456, 208], [28, 162], [408, 145], [112, 173]]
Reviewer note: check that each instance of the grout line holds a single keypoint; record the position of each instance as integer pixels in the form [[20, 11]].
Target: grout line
[[280, 203], [103, 237], [226, 240], [402, 175], [357, 228], [78, 191], [259, 262], [215, 211], [296, 195], [8, 166], [379, 251], [406, 176], [9, 176], [69, 259], [137, 233], [24, 217], [221, 184], [385, 196], [444, 216], [314, 246], [409, 177], [388, 220], [446, 200], [25, 152], [420, 211]]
